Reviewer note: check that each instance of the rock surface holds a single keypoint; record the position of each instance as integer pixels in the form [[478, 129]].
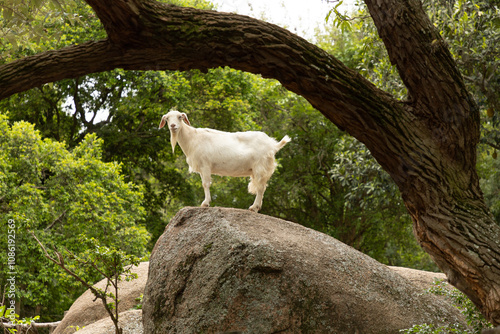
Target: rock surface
[[85, 310], [221, 270], [421, 279], [130, 322]]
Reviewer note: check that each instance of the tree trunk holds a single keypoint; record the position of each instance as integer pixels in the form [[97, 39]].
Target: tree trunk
[[427, 144]]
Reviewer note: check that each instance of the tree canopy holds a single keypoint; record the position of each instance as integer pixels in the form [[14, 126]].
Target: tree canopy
[[67, 198]]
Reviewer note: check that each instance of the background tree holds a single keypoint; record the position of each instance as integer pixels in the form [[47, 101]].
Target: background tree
[[66, 197]]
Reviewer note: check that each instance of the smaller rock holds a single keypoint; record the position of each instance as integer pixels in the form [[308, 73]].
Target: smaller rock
[[130, 322], [422, 279]]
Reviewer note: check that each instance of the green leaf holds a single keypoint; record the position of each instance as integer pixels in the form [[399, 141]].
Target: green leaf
[[12, 40], [7, 13]]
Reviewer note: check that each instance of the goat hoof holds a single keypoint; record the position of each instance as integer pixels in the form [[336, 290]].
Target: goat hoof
[[205, 205], [254, 208]]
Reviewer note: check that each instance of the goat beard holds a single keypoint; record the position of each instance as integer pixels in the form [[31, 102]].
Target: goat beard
[[173, 140]]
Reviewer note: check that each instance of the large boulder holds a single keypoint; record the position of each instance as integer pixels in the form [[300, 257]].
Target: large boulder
[[86, 309], [227, 270]]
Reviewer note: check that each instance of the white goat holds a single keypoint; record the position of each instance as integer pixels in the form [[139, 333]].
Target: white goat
[[211, 151]]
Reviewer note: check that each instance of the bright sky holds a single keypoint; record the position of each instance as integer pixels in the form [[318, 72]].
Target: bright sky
[[299, 16]]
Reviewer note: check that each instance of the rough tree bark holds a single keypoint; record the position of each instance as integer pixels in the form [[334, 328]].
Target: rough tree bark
[[427, 144]]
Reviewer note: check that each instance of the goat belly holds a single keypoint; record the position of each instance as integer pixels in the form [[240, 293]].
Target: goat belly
[[231, 168]]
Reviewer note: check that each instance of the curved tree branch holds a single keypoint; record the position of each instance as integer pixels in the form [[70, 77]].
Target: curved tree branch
[[54, 65]]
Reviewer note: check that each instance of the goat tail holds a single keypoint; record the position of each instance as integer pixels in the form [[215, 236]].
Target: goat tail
[[283, 142]]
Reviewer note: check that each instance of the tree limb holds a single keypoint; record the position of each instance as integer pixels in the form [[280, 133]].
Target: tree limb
[[31, 325], [56, 220]]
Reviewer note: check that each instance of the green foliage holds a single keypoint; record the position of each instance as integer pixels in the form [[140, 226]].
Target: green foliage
[[97, 260], [63, 195], [201, 4], [124, 109], [339, 20], [433, 329], [29, 27], [139, 299], [475, 320], [488, 169]]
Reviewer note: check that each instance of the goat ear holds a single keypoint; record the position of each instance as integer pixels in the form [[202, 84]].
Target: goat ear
[[162, 123], [185, 118]]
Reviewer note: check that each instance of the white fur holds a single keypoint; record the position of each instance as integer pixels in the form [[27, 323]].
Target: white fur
[[211, 151]]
